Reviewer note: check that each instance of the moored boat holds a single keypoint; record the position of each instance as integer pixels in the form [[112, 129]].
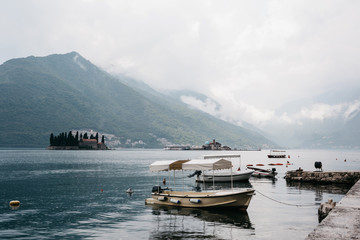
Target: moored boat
[[238, 198], [236, 176], [259, 172], [276, 154]]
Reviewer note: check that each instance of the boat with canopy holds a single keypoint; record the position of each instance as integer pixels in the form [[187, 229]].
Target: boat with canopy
[[222, 176], [239, 198]]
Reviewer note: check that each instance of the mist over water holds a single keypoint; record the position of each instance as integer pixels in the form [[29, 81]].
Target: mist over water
[[82, 195]]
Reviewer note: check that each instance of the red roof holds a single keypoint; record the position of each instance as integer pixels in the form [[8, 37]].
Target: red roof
[[89, 140]]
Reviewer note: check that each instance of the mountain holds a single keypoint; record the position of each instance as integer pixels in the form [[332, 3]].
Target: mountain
[[335, 127], [63, 92]]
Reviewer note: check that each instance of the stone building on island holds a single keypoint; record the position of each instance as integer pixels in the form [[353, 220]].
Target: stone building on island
[[91, 144], [214, 146]]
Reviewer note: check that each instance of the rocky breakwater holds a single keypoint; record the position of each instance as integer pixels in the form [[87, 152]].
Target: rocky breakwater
[[327, 177]]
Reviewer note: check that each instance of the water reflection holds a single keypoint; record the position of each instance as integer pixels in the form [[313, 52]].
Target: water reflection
[[174, 222], [264, 180], [320, 189]]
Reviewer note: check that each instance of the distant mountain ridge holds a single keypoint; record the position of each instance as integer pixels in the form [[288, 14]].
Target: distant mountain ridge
[[62, 92]]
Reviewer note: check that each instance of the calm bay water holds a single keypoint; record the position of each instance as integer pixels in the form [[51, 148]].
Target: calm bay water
[[82, 195]]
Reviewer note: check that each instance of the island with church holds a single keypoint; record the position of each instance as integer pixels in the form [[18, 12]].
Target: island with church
[[68, 141]]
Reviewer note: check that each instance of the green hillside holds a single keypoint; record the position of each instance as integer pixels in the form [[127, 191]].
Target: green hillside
[[58, 93]]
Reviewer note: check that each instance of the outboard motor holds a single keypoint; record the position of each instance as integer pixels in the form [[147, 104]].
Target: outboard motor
[[318, 166], [197, 173], [157, 189], [273, 171]]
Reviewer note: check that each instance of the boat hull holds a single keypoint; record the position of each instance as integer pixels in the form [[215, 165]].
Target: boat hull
[[260, 174], [230, 198], [276, 156], [225, 177]]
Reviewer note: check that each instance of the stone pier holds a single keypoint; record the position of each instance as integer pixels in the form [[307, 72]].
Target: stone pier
[[343, 177], [343, 221]]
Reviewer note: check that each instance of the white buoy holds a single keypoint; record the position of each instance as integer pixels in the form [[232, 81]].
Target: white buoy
[[14, 203]]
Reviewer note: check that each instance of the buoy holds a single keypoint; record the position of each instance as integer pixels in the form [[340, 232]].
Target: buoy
[[14, 203], [164, 181], [193, 200], [101, 190], [174, 201]]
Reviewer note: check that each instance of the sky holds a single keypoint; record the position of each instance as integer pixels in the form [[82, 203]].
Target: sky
[[252, 57]]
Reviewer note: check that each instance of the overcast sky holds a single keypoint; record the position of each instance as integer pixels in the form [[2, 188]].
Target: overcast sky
[[250, 56]]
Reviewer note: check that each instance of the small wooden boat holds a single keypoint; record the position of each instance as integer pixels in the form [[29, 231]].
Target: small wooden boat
[[238, 198]]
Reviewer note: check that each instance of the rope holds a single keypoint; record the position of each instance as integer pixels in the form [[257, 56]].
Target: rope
[[289, 204]]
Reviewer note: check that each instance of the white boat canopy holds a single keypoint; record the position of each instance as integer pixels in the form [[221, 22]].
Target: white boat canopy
[[207, 164], [159, 166]]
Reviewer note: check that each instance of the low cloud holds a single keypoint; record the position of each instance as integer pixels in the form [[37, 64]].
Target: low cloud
[[321, 111], [238, 112]]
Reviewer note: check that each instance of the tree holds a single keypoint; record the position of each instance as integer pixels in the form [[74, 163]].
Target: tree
[[77, 138], [85, 136], [51, 139], [103, 139], [97, 137]]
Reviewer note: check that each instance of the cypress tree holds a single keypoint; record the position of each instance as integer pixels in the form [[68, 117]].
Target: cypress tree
[[103, 139], [77, 138], [51, 139], [65, 139]]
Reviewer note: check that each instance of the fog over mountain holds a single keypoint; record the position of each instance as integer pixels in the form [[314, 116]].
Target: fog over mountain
[[289, 68], [66, 92]]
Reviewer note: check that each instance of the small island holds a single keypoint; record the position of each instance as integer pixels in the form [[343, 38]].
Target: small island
[[67, 141]]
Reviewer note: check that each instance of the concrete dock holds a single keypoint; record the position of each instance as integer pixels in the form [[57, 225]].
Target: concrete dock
[[343, 222]]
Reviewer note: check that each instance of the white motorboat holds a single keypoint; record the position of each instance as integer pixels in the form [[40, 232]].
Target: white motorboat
[[277, 154], [222, 176], [239, 198], [236, 177]]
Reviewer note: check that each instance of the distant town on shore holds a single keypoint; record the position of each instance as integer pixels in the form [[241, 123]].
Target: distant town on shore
[[214, 145], [67, 141]]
